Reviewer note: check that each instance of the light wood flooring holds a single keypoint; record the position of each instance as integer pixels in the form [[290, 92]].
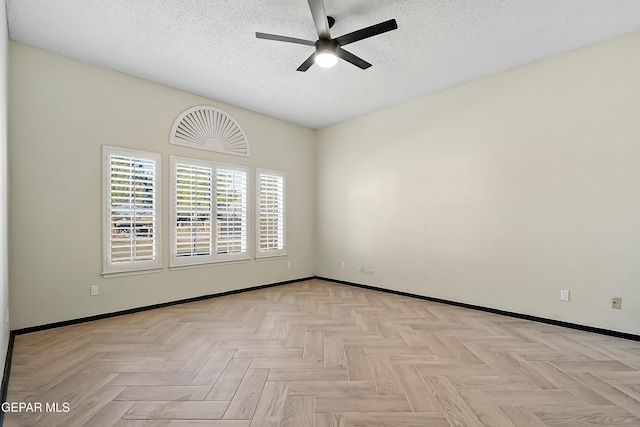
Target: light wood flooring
[[321, 354]]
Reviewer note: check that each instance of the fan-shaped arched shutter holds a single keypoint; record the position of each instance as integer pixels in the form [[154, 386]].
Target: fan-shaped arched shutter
[[208, 128]]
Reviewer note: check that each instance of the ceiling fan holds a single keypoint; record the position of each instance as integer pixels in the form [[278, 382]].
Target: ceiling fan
[[328, 50]]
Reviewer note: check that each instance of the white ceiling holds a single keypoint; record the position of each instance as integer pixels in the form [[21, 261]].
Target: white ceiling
[[209, 47]]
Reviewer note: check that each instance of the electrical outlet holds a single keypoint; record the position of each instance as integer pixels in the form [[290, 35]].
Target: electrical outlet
[[343, 265], [616, 302], [95, 290], [289, 264], [361, 268], [564, 295]]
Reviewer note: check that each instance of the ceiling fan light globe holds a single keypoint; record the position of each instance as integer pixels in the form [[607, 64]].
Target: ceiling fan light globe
[[326, 59]]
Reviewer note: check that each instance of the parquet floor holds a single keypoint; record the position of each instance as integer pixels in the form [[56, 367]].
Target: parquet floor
[[320, 354]]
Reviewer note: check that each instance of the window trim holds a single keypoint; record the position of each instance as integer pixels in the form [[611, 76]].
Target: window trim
[[110, 268], [176, 261], [261, 254]]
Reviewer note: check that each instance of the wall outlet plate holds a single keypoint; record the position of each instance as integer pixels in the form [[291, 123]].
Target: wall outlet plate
[[95, 290], [616, 302], [564, 295]]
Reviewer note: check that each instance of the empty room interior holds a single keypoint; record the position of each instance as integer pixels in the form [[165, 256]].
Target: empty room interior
[[204, 224]]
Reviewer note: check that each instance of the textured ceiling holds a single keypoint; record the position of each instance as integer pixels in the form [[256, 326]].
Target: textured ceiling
[[209, 47]]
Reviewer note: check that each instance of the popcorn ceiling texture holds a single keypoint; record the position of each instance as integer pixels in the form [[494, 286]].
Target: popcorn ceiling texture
[[208, 47]]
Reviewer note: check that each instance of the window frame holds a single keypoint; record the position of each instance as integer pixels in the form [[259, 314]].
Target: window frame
[[109, 267], [263, 254], [214, 257]]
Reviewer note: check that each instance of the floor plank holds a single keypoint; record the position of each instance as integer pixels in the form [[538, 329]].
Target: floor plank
[[187, 410]]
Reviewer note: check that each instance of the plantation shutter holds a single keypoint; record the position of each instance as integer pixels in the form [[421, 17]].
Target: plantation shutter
[[271, 227], [208, 212], [231, 211], [193, 207], [131, 229]]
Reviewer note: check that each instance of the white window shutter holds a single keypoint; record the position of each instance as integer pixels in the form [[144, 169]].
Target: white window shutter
[[209, 212], [131, 197], [194, 210], [231, 211], [209, 128], [271, 213]]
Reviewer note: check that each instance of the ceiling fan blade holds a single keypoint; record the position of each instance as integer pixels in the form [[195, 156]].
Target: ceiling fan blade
[[364, 33], [285, 39], [308, 63], [350, 57], [320, 18]]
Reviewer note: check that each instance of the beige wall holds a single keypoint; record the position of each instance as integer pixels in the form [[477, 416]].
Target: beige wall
[[4, 276], [497, 193], [61, 112]]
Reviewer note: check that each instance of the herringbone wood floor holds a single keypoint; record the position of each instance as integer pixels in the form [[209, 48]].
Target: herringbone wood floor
[[321, 354]]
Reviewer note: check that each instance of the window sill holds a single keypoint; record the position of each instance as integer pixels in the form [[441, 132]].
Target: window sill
[[114, 274], [270, 257], [208, 264]]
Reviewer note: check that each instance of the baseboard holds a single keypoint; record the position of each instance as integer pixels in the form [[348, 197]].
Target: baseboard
[[494, 311], [570, 325], [5, 376], [148, 307]]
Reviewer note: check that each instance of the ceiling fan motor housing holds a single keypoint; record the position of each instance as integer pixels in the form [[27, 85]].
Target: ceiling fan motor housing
[[326, 46]]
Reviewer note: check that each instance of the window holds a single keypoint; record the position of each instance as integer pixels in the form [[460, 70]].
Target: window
[[231, 206], [131, 222], [194, 210], [209, 212], [270, 217]]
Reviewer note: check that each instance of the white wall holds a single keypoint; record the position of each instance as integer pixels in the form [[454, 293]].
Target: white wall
[[4, 275], [497, 193], [61, 112]]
